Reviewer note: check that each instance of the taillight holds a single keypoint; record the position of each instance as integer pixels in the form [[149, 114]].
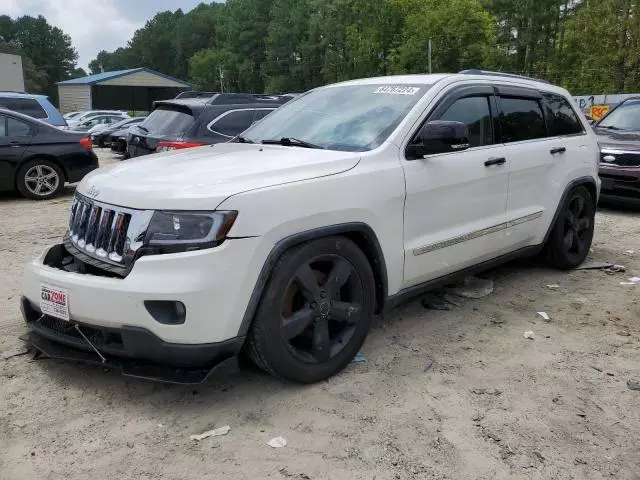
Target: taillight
[[86, 143], [167, 146]]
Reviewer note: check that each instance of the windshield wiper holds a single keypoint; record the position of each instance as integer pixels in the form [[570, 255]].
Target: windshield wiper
[[142, 128], [292, 142], [241, 139]]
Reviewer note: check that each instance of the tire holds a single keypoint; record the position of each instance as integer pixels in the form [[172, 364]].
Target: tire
[[570, 239], [308, 327], [40, 179]]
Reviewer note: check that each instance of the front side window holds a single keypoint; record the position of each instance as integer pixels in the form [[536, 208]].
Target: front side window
[[475, 113], [521, 119], [561, 118], [232, 123], [624, 117], [16, 128], [353, 118]]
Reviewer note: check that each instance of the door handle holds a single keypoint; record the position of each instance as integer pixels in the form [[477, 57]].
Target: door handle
[[495, 161], [14, 144], [557, 150]]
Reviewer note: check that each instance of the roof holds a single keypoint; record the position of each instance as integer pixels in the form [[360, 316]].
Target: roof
[[101, 77], [22, 95]]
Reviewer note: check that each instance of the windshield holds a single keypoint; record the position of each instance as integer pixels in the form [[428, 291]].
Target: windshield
[[353, 118], [167, 120], [624, 117]]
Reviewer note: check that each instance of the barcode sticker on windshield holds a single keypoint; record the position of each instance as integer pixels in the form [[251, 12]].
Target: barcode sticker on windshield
[[397, 90]]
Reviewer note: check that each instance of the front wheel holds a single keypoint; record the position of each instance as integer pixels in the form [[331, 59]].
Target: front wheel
[[315, 311], [570, 240]]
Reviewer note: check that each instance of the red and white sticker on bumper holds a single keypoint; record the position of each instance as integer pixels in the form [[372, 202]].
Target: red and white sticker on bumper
[[54, 302]]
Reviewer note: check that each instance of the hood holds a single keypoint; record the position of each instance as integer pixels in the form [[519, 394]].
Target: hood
[[201, 178], [618, 139]]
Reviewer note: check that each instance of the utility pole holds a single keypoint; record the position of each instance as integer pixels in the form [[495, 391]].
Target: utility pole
[[429, 55], [221, 79]]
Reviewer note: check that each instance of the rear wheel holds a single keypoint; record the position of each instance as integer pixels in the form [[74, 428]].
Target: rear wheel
[[315, 311], [570, 240], [40, 179]]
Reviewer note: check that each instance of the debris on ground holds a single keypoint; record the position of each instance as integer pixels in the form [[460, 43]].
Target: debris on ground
[[633, 385], [486, 391], [299, 476], [628, 252], [472, 287], [595, 266], [545, 316], [616, 269], [635, 279], [538, 456], [553, 286], [434, 301], [579, 461], [216, 432], [277, 442], [597, 369], [529, 335], [477, 417], [359, 358], [629, 283], [429, 365]]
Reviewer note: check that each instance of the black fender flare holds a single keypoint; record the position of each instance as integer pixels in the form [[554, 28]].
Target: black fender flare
[[361, 231]]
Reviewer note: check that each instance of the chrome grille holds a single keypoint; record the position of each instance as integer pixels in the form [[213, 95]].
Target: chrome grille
[[622, 158], [106, 232]]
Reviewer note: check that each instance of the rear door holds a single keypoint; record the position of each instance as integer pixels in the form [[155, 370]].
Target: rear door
[[542, 138], [15, 138]]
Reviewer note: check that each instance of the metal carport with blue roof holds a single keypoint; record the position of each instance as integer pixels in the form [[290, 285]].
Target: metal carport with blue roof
[[133, 90]]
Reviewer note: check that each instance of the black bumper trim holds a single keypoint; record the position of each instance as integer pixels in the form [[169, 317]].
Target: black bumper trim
[[136, 351]]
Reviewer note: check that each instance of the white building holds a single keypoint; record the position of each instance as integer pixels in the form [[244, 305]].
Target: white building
[[11, 75]]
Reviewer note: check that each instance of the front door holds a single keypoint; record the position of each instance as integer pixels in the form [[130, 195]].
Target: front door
[[456, 202]]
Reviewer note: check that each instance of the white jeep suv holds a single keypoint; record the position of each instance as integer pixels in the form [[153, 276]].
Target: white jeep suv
[[286, 241]]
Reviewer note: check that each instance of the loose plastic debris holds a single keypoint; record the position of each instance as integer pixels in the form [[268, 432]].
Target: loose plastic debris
[[472, 287], [617, 269], [277, 442], [628, 252], [545, 316], [359, 358], [635, 279], [553, 286], [529, 335], [216, 432], [595, 266], [633, 385]]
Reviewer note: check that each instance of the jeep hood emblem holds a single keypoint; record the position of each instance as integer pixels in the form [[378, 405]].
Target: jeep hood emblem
[[93, 192]]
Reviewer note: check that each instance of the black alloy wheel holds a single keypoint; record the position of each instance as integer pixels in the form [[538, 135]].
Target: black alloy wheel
[[321, 308], [315, 311]]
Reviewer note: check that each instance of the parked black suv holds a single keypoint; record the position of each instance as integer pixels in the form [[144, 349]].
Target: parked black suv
[[191, 122]]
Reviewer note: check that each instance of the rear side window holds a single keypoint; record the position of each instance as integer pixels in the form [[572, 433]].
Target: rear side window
[[474, 112], [168, 120], [232, 123], [26, 106], [16, 128], [260, 114], [521, 119], [561, 118]]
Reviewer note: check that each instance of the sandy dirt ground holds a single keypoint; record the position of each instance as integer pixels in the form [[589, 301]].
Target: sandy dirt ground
[[457, 394]]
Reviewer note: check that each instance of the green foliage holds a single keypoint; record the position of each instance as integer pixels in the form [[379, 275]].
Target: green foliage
[[590, 46], [48, 55]]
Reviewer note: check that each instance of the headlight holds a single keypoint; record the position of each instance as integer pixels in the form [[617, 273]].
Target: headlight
[[185, 231]]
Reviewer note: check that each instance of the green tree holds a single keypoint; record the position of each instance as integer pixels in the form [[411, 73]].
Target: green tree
[[462, 32]]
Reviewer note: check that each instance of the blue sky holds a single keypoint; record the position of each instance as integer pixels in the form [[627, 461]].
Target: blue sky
[[95, 25]]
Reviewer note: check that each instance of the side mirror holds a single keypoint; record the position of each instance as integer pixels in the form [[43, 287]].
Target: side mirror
[[439, 136]]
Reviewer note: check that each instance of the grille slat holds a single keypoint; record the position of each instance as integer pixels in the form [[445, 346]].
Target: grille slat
[[99, 230]]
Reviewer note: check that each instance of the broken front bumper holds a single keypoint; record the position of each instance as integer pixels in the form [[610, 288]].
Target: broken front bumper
[[134, 351]]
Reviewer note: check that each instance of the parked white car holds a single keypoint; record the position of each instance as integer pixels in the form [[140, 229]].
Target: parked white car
[[284, 243], [84, 116]]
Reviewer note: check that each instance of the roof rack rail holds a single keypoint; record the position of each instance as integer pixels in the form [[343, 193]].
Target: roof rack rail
[[196, 94], [475, 71]]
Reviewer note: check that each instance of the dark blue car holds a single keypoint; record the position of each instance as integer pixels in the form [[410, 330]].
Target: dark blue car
[[36, 106]]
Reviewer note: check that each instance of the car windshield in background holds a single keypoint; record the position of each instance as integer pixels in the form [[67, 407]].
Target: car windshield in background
[[624, 117], [166, 120], [350, 118]]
